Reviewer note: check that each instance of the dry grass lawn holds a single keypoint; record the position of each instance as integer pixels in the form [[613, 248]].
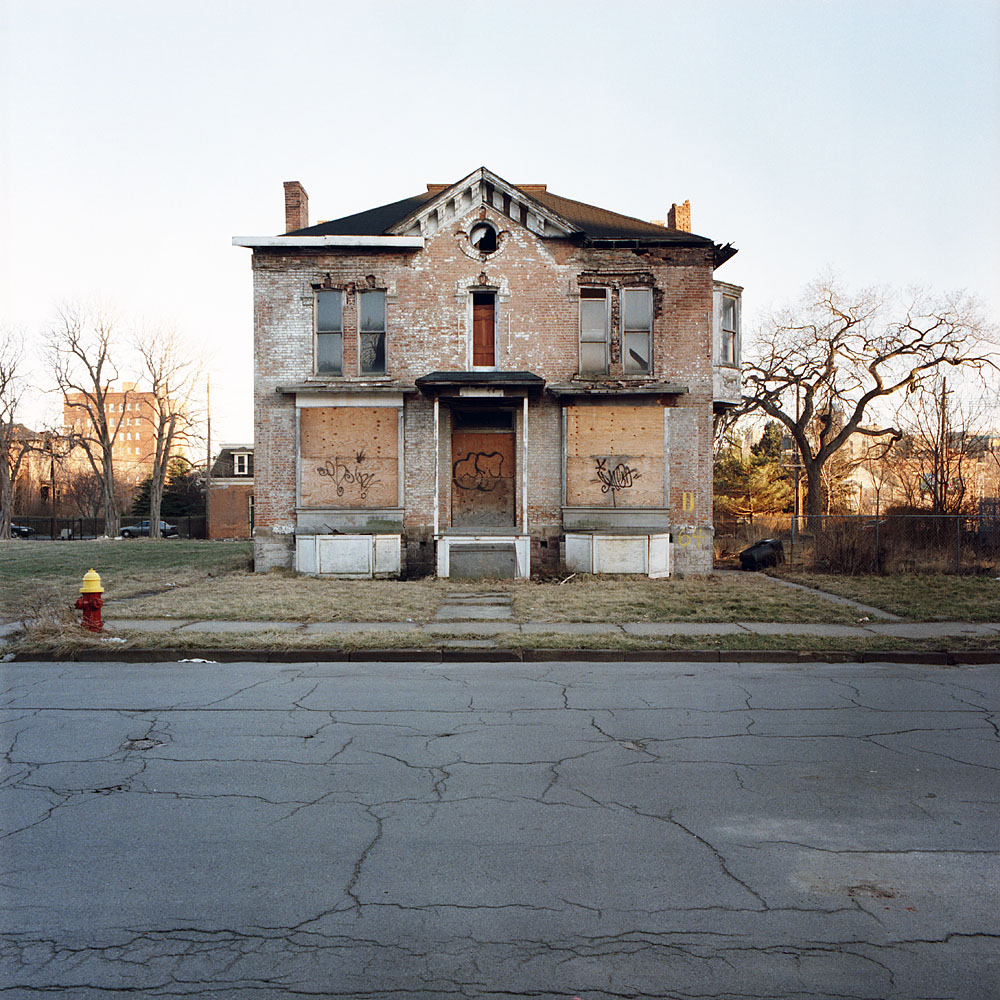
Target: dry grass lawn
[[748, 597], [37, 574], [915, 596], [286, 597]]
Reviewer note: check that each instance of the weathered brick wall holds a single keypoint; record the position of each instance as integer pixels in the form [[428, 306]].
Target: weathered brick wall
[[229, 515], [428, 319]]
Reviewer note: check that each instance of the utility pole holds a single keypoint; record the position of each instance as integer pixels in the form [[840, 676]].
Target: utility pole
[[208, 462]]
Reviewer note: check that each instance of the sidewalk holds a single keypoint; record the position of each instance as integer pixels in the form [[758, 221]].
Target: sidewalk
[[485, 630]]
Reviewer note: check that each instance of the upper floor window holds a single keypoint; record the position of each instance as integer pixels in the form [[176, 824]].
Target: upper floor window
[[484, 330], [329, 333], [637, 327], [593, 330], [729, 326], [241, 464], [371, 311]]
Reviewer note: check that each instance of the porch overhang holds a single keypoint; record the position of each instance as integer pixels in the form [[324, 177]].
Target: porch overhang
[[483, 385]]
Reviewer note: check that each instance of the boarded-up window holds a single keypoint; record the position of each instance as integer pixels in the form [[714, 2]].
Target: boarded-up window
[[349, 456], [483, 330], [614, 456]]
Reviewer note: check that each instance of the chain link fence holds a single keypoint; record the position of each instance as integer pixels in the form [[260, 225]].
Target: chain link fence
[[860, 543], [72, 528]]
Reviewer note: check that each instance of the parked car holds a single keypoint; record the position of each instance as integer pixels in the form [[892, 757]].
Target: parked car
[[142, 528], [21, 531]]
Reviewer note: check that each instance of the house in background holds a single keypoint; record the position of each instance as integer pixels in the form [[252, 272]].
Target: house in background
[[488, 379], [231, 496]]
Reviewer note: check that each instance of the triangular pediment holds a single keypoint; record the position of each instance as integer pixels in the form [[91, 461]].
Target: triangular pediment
[[482, 188]]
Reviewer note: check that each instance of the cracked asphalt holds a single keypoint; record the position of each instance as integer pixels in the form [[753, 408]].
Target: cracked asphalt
[[555, 830]]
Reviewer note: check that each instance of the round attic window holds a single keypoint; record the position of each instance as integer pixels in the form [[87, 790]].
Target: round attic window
[[483, 237]]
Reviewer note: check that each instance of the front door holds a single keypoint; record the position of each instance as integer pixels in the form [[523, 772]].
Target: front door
[[482, 469]]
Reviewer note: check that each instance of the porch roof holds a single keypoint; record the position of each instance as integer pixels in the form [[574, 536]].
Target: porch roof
[[445, 383]]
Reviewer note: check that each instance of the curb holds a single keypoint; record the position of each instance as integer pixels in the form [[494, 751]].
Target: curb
[[944, 658]]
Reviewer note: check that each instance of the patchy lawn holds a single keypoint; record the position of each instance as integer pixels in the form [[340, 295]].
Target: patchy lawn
[[284, 596], [749, 597], [34, 574], [926, 597]]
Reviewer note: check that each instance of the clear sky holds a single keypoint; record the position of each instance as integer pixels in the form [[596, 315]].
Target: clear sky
[[138, 138]]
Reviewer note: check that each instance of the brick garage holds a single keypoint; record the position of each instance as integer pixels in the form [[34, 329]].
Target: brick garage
[[231, 496], [484, 368]]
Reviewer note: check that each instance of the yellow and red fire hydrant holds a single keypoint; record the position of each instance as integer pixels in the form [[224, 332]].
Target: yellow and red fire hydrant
[[89, 601]]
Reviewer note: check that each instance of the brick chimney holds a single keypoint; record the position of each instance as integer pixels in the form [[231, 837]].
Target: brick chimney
[[679, 217], [296, 206]]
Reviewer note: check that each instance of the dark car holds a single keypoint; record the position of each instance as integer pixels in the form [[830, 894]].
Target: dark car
[[21, 531], [142, 529]]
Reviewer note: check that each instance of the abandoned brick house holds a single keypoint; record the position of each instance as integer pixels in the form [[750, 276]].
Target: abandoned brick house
[[488, 379]]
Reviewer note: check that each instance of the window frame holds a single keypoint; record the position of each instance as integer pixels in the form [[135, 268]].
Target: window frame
[[605, 290], [729, 358], [625, 331], [494, 294], [362, 370], [317, 332], [237, 457]]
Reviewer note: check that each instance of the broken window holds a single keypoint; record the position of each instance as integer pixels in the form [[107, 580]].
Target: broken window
[[372, 324], [637, 325], [483, 237], [593, 330], [329, 333]]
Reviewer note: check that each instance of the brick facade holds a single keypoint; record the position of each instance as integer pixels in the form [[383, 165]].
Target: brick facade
[[661, 480]]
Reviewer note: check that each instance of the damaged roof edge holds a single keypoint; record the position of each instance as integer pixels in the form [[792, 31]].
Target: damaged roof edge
[[278, 242]]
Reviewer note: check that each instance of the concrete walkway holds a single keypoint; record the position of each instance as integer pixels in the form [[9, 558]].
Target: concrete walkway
[[445, 630]]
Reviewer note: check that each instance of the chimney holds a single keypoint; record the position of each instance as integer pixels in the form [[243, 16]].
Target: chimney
[[679, 217], [296, 206], [434, 189]]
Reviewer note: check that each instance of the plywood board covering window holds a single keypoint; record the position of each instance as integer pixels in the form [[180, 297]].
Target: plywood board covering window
[[614, 456], [349, 456]]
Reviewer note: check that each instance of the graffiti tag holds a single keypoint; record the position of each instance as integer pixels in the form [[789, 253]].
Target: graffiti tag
[[479, 470], [344, 476], [618, 477]]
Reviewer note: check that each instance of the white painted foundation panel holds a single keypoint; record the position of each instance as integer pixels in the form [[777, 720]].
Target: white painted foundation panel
[[388, 558], [579, 553], [621, 554]]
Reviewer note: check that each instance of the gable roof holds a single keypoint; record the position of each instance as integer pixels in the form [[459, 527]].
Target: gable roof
[[550, 215]]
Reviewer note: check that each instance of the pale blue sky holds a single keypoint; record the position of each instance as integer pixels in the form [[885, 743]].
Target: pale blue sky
[[138, 138]]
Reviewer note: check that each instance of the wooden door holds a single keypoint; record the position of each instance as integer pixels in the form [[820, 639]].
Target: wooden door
[[482, 479], [483, 330]]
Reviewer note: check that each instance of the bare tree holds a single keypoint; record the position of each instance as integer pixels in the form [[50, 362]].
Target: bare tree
[[946, 448], [85, 492], [15, 442], [173, 376], [81, 349], [822, 370]]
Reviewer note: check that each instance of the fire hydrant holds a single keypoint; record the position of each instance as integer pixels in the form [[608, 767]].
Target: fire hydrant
[[89, 601]]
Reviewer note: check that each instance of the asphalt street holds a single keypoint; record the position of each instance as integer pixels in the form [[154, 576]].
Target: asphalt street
[[554, 830]]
